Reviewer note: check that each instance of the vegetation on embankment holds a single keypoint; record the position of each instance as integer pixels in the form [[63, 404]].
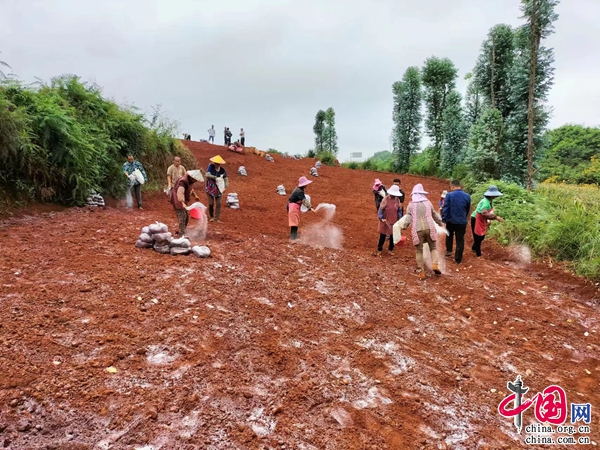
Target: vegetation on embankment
[[62, 140], [557, 221]]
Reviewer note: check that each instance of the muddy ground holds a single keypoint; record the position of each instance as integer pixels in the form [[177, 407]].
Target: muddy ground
[[273, 345]]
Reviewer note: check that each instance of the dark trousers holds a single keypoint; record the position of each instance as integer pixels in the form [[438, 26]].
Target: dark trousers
[[211, 139], [183, 217], [382, 241], [137, 189], [459, 231], [294, 233], [243, 141], [211, 206], [477, 240]]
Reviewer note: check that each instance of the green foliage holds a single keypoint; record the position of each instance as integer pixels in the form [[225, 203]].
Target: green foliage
[[455, 134], [326, 158], [407, 118], [329, 134], [492, 70], [569, 155], [555, 220], [351, 165], [273, 151], [319, 130], [62, 140], [439, 79], [484, 155], [4, 76], [311, 154], [424, 163], [474, 104]]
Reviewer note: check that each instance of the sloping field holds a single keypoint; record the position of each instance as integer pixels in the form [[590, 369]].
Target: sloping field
[[273, 345]]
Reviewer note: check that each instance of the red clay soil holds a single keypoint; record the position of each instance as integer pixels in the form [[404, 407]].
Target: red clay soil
[[273, 345]]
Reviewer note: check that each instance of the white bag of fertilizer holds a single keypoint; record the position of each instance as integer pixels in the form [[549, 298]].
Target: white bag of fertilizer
[[162, 249], [146, 238], [145, 230], [181, 243], [281, 189], [180, 251], [142, 244], [242, 171], [397, 232], [220, 184], [163, 238], [201, 251], [138, 176], [441, 230], [196, 205], [302, 207], [157, 228]]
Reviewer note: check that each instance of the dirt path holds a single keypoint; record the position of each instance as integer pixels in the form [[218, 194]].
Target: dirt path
[[272, 345]]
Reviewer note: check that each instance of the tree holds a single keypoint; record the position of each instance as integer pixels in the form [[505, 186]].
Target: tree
[[319, 130], [407, 118], [484, 153], [329, 134], [455, 133], [439, 79], [473, 102], [4, 76], [540, 17], [492, 70]]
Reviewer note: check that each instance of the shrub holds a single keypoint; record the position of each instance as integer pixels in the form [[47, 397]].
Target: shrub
[[326, 158], [311, 154], [424, 163], [351, 165]]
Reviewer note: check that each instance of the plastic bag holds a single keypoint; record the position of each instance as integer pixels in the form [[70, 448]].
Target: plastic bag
[[201, 251], [163, 238], [162, 249], [142, 244], [181, 243], [157, 228], [397, 232], [196, 205], [220, 184], [180, 251], [145, 230], [441, 230], [302, 207], [146, 238], [137, 175]]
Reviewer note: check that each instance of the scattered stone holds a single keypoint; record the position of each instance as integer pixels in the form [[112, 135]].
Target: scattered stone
[[23, 425]]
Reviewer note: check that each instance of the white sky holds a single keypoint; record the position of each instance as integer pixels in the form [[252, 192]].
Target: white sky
[[269, 65]]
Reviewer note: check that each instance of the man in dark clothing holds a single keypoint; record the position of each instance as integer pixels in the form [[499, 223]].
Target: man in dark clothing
[[455, 213], [398, 183]]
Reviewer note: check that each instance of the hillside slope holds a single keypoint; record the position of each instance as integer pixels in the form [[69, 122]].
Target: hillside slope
[[269, 344]]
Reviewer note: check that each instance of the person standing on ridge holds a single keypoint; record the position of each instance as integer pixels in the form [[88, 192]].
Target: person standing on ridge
[[211, 134], [242, 137], [455, 214], [130, 166], [215, 175]]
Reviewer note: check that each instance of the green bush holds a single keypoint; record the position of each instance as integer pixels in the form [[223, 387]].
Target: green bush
[[556, 220], [60, 141], [326, 158], [311, 154], [424, 163], [351, 165]]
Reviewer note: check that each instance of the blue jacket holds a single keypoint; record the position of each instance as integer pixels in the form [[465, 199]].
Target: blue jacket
[[456, 208]]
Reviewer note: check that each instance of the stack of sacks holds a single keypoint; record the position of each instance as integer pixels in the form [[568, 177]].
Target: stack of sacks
[[162, 237], [94, 199], [281, 189], [145, 240], [269, 158], [318, 164], [242, 171], [232, 201], [201, 251], [313, 172], [181, 246]]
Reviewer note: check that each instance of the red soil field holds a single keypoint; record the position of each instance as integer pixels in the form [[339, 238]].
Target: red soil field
[[274, 345]]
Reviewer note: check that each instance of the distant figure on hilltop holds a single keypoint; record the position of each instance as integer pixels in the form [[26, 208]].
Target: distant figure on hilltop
[[242, 137], [228, 135], [211, 134], [187, 137]]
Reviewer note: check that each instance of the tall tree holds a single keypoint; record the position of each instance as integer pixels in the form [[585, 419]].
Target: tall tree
[[540, 16], [329, 134], [484, 152], [4, 76], [455, 133], [407, 117], [439, 79], [474, 104], [319, 130], [493, 68]]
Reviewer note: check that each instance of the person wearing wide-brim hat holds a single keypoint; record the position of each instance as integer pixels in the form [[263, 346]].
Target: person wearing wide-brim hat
[[180, 197], [215, 176], [297, 199], [379, 192], [423, 217], [389, 213], [481, 217]]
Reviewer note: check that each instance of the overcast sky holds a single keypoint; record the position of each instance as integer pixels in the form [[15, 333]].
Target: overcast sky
[[269, 65]]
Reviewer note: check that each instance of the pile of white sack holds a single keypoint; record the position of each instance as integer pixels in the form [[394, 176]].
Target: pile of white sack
[[313, 172], [94, 199], [269, 158], [242, 171], [157, 237], [318, 164], [281, 190], [232, 201]]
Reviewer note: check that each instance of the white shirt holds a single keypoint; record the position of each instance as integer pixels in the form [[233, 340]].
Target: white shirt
[[242, 133], [211, 132]]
